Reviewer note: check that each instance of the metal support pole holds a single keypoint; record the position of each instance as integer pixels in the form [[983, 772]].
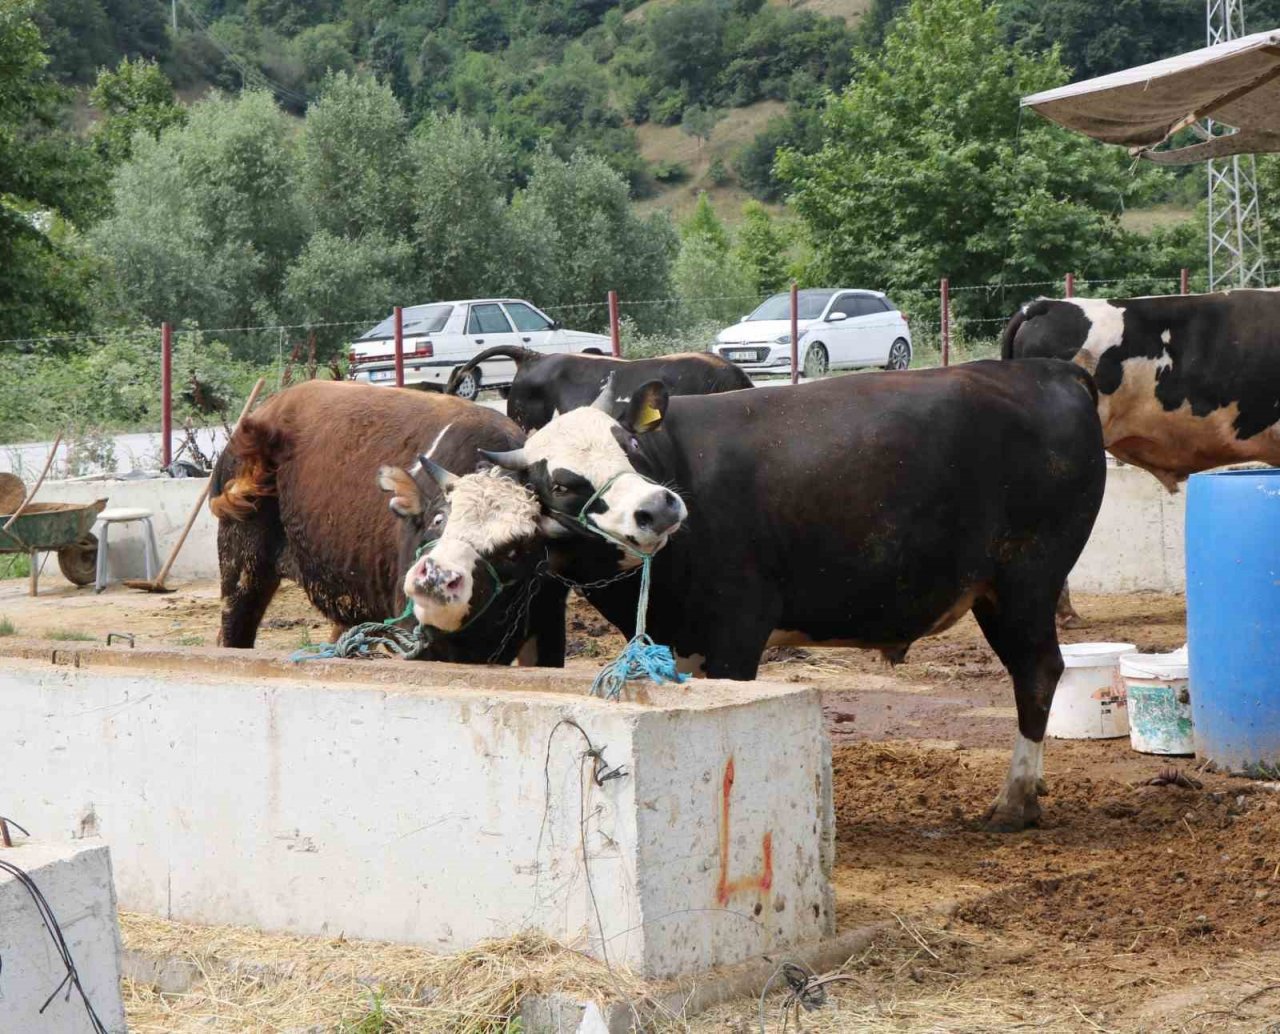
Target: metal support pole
[[399, 323], [946, 321], [795, 333], [615, 329], [166, 395], [1071, 285], [1184, 283]]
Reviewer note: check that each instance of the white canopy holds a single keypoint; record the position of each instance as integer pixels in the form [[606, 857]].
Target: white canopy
[[1235, 83]]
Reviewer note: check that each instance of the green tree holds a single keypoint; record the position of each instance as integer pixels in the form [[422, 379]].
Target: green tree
[[919, 176], [206, 219], [710, 281], [688, 40], [462, 178], [45, 180], [354, 158], [761, 250], [700, 122], [590, 238], [339, 279], [135, 98]]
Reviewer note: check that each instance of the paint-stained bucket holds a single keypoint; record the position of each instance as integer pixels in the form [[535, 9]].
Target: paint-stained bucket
[[1089, 703], [1157, 685]]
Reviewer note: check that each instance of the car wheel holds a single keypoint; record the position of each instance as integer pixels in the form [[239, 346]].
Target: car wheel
[[469, 387], [816, 362], [899, 355]]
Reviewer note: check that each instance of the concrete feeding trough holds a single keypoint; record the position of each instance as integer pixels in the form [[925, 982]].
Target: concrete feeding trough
[[75, 880], [433, 804]]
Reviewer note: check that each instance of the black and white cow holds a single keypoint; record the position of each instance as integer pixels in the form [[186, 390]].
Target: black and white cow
[[1185, 382], [866, 511], [547, 384]]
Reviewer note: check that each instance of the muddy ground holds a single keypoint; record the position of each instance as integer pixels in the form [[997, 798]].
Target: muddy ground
[[1133, 907]]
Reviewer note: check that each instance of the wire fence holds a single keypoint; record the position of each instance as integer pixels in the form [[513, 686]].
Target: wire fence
[[103, 390]]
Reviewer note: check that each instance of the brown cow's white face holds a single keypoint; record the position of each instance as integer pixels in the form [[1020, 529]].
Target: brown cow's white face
[[484, 521]]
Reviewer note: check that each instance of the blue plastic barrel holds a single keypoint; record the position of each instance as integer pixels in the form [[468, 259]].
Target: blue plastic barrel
[[1233, 618]]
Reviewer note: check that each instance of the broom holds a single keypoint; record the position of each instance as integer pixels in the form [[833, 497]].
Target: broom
[[157, 585]]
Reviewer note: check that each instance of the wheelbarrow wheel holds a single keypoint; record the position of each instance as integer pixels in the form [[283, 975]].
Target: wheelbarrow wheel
[[79, 563]]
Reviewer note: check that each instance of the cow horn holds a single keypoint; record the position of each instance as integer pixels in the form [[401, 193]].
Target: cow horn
[[513, 460], [442, 477], [604, 400]]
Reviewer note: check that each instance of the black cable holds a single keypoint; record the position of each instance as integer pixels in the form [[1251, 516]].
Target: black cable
[[72, 978]]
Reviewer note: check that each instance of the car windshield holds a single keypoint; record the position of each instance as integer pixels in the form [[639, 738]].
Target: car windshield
[[810, 306], [418, 320]]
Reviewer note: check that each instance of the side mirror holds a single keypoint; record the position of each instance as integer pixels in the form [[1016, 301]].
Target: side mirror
[[554, 325], [836, 317]]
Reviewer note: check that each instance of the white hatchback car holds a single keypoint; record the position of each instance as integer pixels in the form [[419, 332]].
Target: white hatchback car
[[440, 337], [839, 329]]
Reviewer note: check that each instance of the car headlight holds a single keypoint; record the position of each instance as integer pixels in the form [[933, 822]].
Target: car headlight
[[784, 339]]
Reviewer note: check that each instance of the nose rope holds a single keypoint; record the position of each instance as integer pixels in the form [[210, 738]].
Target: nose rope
[[361, 640], [641, 656]]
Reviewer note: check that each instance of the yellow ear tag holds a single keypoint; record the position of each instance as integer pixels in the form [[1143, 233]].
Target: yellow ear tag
[[648, 417]]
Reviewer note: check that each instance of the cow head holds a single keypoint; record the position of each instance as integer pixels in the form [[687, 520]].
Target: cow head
[[465, 540], [582, 465]]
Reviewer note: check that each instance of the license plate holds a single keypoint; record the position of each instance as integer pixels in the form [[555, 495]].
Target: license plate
[[740, 356], [382, 375]]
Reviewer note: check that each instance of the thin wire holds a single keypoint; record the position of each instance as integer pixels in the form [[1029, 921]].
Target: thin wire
[[51, 924]]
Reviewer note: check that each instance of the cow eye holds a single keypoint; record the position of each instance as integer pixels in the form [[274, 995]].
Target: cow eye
[[437, 521], [633, 444], [559, 489], [512, 554]]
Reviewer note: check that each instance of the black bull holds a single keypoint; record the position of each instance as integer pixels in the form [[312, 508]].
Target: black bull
[[545, 385], [867, 511]]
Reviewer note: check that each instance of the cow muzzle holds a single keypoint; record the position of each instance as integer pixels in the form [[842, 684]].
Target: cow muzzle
[[639, 513], [440, 589]]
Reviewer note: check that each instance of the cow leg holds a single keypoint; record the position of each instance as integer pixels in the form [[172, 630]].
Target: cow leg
[[249, 562], [546, 643], [1023, 635], [738, 640], [1067, 616]]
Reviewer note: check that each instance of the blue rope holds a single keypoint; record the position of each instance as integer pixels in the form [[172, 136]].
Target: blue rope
[[641, 657], [361, 640]]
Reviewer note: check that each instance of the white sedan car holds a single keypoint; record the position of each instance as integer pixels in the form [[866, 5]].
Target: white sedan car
[[440, 337], [839, 330]]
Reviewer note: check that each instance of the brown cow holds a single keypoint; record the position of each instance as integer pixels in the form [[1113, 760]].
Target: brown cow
[[296, 494]]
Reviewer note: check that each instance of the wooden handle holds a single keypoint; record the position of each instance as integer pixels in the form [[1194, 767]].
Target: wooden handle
[[204, 494], [39, 481]]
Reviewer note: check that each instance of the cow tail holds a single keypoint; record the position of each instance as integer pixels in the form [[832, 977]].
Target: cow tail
[[1027, 312], [246, 471], [520, 354]]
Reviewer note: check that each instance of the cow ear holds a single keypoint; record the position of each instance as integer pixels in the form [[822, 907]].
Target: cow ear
[[406, 497], [646, 409]]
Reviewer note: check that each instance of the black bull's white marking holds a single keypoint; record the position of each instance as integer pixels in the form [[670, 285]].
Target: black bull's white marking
[[868, 510]]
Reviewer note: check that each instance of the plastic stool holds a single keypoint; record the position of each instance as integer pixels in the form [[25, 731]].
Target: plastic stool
[[124, 515]]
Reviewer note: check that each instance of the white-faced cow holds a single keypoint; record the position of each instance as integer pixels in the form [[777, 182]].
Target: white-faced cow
[[296, 494], [1185, 382], [545, 385], [866, 511]]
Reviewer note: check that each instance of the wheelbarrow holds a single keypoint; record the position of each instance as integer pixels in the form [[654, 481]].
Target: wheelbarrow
[[64, 528]]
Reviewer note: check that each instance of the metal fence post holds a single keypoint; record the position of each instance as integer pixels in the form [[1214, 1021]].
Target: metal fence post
[[946, 320], [1071, 285], [1184, 281], [795, 333], [399, 324], [615, 330], [166, 394]]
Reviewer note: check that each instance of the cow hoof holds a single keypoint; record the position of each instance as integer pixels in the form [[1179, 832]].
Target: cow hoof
[[1071, 621], [1008, 818], [1042, 788]]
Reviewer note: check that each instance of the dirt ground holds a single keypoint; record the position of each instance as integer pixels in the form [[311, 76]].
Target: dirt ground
[[1134, 907]]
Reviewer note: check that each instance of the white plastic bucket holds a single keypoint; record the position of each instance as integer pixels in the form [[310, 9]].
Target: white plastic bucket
[[1157, 685], [1089, 703]]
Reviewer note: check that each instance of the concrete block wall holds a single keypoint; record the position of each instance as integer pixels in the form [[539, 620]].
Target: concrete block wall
[[1137, 541], [170, 500], [410, 802], [75, 879]]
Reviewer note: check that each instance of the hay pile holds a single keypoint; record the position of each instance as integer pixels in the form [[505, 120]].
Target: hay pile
[[250, 981]]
